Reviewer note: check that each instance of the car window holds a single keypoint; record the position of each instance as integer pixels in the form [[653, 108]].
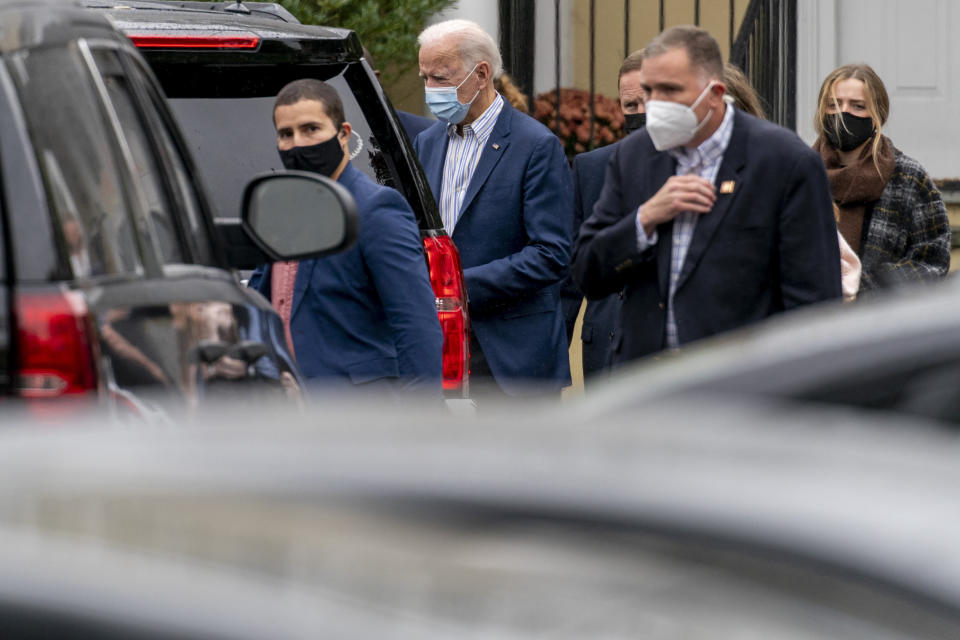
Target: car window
[[160, 222], [185, 186], [33, 237], [81, 173], [227, 119]]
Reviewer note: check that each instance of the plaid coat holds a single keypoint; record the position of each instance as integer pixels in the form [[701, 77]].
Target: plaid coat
[[907, 232]]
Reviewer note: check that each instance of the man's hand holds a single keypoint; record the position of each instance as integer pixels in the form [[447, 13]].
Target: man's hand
[[678, 194]]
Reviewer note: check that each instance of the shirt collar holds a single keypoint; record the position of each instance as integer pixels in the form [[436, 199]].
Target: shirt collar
[[711, 149], [482, 127]]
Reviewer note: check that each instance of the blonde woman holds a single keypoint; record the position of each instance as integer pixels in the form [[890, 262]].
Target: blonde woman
[[741, 92], [890, 212]]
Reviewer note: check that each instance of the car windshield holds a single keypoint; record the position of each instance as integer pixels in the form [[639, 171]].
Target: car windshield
[[228, 123]]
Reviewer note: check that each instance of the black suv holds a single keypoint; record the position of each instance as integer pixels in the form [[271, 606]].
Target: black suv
[[114, 282], [221, 65]]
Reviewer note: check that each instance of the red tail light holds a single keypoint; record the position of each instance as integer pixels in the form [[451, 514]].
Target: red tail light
[[145, 41], [446, 276], [56, 345]]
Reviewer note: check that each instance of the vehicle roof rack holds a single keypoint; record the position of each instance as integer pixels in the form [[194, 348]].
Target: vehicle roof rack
[[273, 10], [237, 7]]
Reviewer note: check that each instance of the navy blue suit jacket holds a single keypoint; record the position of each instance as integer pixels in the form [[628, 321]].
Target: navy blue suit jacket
[[513, 235], [414, 124], [368, 313], [600, 317], [768, 245]]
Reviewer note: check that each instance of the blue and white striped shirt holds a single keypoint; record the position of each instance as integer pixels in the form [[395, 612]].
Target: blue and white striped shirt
[[463, 154]]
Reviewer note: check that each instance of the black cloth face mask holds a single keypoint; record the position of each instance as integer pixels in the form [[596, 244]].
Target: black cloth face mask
[[322, 158], [847, 132], [634, 121]]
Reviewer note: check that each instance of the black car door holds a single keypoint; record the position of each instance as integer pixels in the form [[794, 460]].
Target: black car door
[[171, 323]]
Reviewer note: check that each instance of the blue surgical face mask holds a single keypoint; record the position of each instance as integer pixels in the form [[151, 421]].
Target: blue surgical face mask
[[444, 103]]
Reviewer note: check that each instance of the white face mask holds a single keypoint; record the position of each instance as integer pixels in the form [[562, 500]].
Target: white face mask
[[671, 124]]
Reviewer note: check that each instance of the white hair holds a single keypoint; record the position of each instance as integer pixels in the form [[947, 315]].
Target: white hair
[[475, 44]]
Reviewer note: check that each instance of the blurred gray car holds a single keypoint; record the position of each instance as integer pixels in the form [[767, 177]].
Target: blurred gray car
[[694, 519], [894, 352]]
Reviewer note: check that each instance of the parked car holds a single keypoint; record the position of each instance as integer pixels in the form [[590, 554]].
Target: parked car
[[222, 63], [899, 351], [686, 519], [116, 290]]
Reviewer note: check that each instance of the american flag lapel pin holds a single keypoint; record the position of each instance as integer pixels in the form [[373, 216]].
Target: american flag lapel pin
[[496, 147], [727, 186]]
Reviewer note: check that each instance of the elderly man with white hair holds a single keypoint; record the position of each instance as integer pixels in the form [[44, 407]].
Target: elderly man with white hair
[[506, 197]]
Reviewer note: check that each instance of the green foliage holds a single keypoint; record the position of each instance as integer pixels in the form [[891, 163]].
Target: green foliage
[[388, 28]]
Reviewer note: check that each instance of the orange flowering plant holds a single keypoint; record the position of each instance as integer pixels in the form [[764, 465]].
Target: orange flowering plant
[[574, 126]]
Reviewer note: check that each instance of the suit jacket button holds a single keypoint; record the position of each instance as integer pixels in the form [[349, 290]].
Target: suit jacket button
[[660, 306]]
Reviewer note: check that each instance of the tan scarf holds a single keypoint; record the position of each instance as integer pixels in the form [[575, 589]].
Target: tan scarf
[[856, 185]]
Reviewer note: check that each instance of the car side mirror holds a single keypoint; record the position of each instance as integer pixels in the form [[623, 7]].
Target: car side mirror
[[294, 215]]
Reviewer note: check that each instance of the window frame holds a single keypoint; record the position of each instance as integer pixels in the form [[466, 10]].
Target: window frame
[[139, 96], [31, 256], [150, 256], [74, 54], [148, 94]]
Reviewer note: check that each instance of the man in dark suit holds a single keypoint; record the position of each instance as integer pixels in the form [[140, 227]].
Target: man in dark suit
[[600, 316], [413, 124], [366, 316], [709, 218], [505, 195]]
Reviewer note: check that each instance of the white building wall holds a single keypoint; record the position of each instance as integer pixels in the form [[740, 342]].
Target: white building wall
[[486, 14], [544, 70], [483, 12], [909, 44]]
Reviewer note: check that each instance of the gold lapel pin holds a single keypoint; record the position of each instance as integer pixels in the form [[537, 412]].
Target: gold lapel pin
[[727, 186], [496, 147]]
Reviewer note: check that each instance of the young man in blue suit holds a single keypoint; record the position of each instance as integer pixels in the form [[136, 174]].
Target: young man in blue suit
[[600, 318], [709, 219], [366, 316], [505, 194]]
